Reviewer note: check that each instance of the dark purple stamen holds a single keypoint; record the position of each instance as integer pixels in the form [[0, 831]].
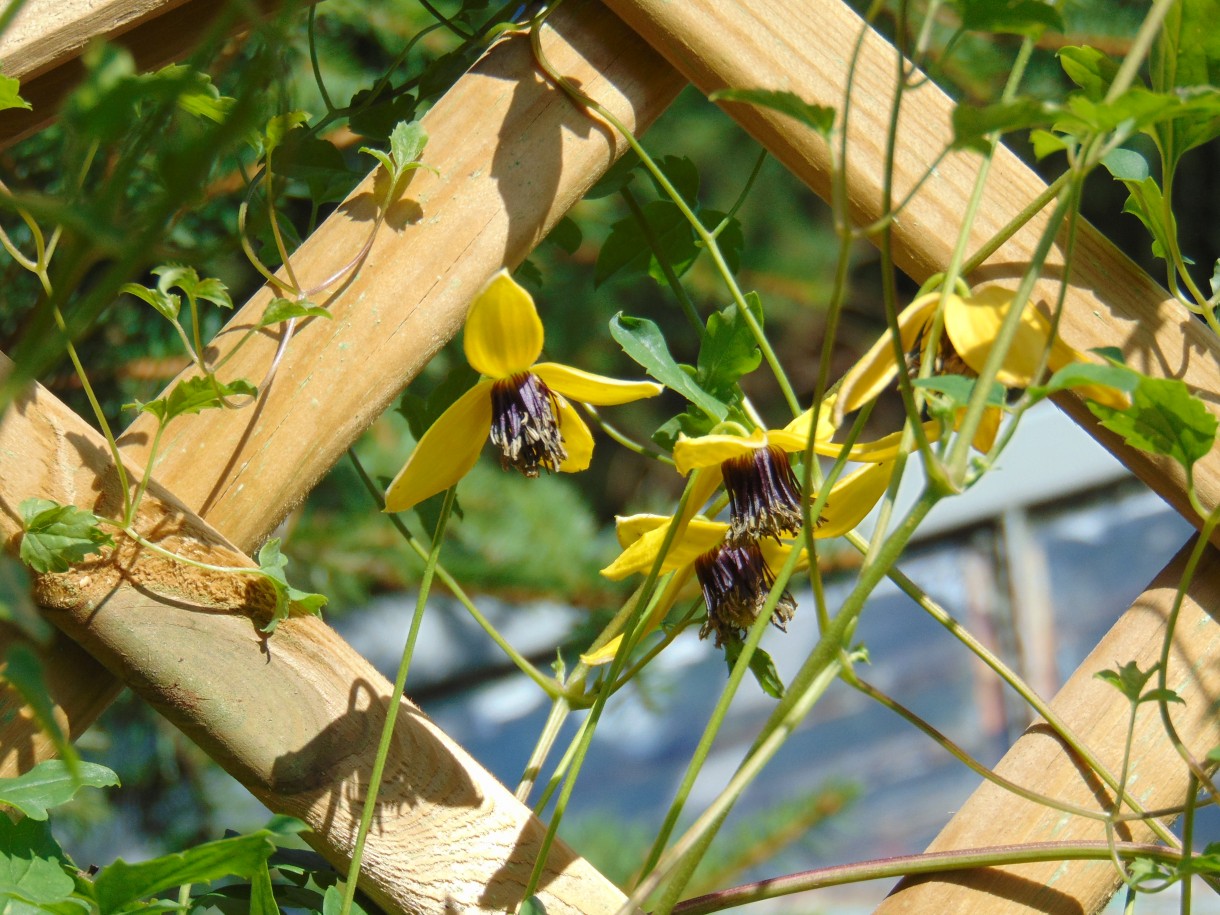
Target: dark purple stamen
[[736, 581], [524, 424], [764, 495]]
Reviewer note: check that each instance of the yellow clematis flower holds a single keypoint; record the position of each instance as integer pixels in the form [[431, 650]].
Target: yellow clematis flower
[[519, 403], [735, 573], [971, 324]]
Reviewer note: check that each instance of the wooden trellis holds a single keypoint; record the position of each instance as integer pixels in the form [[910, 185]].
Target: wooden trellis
[[514, 155]]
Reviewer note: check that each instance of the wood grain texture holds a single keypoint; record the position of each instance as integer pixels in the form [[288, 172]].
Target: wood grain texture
[[43, 44], [804, 46], [296, 717]]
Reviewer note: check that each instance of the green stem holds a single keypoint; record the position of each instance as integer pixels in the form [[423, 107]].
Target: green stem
[[400, 683], [658, 251], [560, 710], [917, 865], [129, 516]]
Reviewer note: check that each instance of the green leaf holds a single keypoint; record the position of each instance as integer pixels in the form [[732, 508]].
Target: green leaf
[[58, 535], [1186, 56], [170, 276], [972, 125], [166, 303], [332, 902], [51, 783], [956, 390], [1128, 679], [285, 309], [1089, 69], [628, 248], [262, 896], [194, 395], [1126, 164], [1013, 17], [1079, 374], [16, 604], [731, 240], [642, 340], [279, 127], [287, 598], [1145, 203], [32, 867], [566, 235], [617, 177], [194, 92], [407, 142], [692, 423], [818, 117], [761, 666], [683, 175], [1164, 418], [1162, 695], [10, 96], [729, 349], [121, 884], [23, 672]]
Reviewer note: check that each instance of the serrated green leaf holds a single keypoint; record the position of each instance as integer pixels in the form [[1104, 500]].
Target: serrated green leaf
[[1046, 143], [193, 396], [10, 94], [1081, 374], [1089, 69], [23, 673], [1162, 695], [642, 340], [1164, 418], [817, 117], [972, 125], [273, 563], [761, 666], [692, 423], [1012, 17], [1145, 203], [284, 309], [194, 92], [55, 536], [407, 142], [1128, 679], [166, 303], [279, 127], [683, 175], [1186, 56], [210, 289], [51, 783], [729, 349], [121, 884], [628, 248], [32, 867]]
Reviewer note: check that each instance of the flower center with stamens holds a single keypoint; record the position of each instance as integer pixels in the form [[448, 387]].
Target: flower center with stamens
[[764, 495], [736, 581], [947, 362], [524, 424]]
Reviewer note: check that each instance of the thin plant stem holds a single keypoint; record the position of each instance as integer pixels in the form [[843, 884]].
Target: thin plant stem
[[926, 863], [546, 739], [400, 683], [671, 278]]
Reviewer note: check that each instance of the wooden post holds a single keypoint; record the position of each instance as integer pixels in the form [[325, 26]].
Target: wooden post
[[804, 46]]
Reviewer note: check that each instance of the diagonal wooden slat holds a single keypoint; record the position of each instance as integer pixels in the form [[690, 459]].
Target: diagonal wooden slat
[[44, 42], [805, 47], [296, 717]]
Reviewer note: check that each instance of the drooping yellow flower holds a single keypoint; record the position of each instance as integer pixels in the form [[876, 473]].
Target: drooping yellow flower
[[520, 404], [971, 324], [851, 499]]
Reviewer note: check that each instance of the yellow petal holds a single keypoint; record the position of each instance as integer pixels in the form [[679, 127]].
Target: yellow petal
[[699, 536], [630, 528], [852, 497], [446, 452], [606, 653], [712, 450], [595, 389], [503, 330], [878, 368], [1062, 354], [988, 430], [776, 554], [878, 451], [972, 325], [577, 439]]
